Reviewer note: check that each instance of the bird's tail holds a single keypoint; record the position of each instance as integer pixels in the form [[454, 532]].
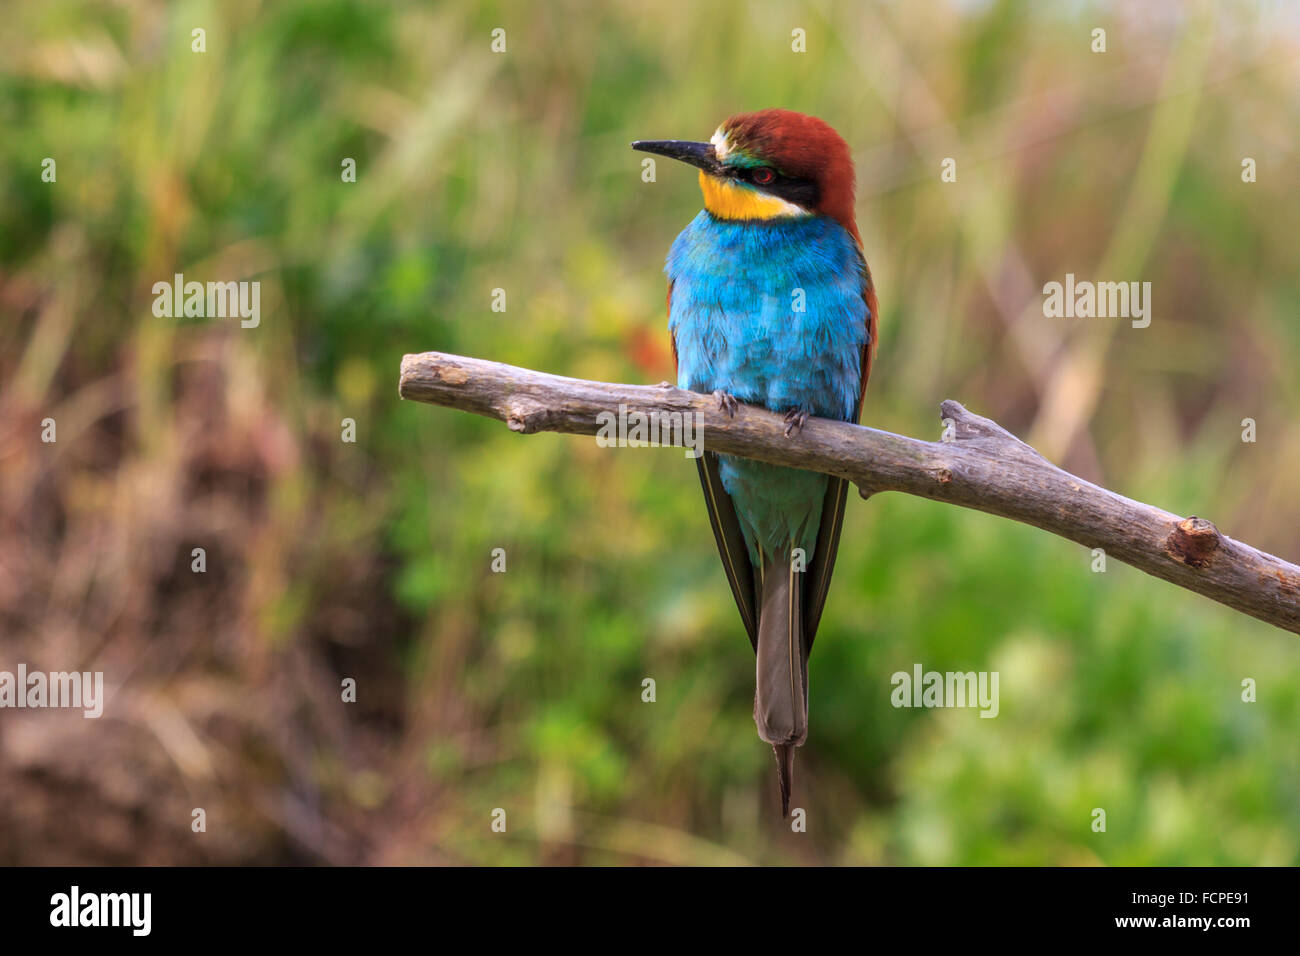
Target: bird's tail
[[781, 687]]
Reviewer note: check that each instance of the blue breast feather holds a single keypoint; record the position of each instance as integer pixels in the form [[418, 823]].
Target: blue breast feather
[[734, 317], [736, 322]]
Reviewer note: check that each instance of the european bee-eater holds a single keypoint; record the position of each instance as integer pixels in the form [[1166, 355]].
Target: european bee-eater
[[770, 302]]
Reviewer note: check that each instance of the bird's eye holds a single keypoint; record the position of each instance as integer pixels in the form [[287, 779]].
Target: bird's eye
[[763, 176]]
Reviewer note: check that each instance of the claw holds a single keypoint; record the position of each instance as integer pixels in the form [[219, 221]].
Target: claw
[[727, 402], [794, 420]]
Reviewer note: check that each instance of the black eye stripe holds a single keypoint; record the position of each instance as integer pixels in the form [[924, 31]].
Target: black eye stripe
[[798, 191], [748, 173], [802, 192]]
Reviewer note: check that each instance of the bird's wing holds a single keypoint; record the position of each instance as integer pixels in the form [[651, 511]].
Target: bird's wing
[[817, 577], [726, 531], [731, 544]]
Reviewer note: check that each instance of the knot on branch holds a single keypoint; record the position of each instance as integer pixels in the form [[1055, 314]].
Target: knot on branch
[[1194, 541], [526, 415]]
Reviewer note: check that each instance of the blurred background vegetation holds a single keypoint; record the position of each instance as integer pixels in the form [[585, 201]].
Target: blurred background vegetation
[[522, 690]]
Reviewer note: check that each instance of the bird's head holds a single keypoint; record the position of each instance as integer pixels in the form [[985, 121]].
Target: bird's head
[[770, 164]]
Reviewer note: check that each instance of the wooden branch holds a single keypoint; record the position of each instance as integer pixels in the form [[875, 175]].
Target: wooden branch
[[978, 465]]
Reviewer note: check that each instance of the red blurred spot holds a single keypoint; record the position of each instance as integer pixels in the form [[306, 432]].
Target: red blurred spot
[[650, 353]]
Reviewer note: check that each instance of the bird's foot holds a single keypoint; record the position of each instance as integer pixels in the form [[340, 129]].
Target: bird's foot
[[794, 420], [727, 402]]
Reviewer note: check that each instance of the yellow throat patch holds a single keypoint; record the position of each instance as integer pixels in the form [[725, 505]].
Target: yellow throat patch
[[728, 200]]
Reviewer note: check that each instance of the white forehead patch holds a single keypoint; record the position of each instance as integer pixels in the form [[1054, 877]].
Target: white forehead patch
[[720, 145]]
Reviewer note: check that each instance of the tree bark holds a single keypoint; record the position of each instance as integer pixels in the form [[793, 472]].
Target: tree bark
[[978, 464]]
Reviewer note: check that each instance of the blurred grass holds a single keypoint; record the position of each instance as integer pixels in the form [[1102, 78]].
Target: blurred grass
[[522, 691]]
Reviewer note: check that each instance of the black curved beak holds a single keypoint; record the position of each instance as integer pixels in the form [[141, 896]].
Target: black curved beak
[[700, 155]]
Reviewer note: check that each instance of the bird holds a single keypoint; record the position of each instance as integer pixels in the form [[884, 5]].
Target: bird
[[771, 303]]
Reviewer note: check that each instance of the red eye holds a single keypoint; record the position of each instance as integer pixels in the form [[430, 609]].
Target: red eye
[[762, 175]]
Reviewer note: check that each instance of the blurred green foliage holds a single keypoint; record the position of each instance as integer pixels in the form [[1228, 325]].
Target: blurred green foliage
[[479, 171]]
